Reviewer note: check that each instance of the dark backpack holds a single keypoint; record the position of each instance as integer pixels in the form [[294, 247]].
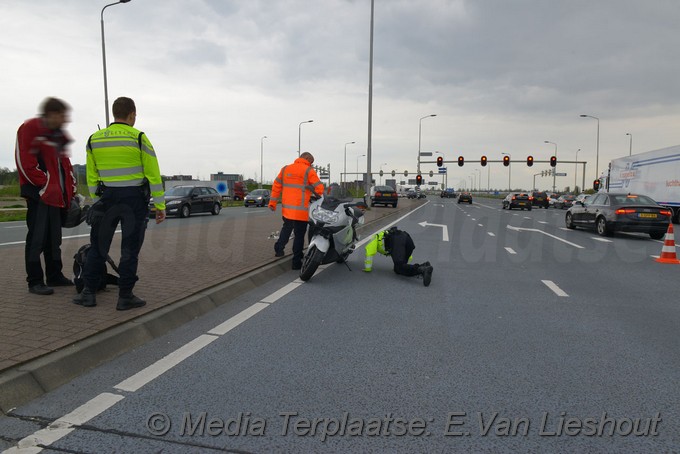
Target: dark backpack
[[79, 260]]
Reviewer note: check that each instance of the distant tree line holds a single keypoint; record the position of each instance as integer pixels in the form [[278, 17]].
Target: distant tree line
[[8, 177]]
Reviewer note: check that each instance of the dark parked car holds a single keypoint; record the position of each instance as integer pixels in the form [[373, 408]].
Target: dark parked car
[[613, 212], [448, 192], [465, 197], [187, 200], [540, 199], [258, 197], [384, 195], [517, 200], [565, 201]]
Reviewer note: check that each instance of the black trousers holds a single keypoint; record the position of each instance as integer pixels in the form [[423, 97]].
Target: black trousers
[[402, 248], [128, 207], [290, 226], [43, 238]]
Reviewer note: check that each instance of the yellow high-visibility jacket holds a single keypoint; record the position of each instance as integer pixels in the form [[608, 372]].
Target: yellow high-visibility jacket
[[122, 156], [377, 244]]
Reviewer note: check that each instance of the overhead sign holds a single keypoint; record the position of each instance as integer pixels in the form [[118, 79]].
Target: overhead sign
[[561, 174], [425, 153], [442, 170]]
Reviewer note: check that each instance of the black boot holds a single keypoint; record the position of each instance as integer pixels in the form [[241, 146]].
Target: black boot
[[86, 298], [129, 302], [426, 272]]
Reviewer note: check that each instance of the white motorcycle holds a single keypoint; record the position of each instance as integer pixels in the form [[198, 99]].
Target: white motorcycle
[[333, 220]]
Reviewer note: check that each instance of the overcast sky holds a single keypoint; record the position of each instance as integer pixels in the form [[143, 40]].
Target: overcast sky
[[212, 77]]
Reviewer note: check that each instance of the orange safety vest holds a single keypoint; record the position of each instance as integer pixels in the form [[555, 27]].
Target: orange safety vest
[[290, 188]]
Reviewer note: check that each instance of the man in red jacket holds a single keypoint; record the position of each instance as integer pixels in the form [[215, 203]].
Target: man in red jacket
[[48, 184]]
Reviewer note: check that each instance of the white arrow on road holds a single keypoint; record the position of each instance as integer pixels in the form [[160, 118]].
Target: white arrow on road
[[445, 229], [520, 229]]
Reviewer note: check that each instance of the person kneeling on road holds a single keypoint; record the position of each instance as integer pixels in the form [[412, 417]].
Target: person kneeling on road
[[398, 245]]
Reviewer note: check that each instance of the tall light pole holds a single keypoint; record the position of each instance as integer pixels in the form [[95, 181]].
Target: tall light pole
[[300, 133], [630, 150], [479, 185], [576, 170], [597, 150], [420, 131], [360, 156], [554, 169], [383, 164], [106, 88], [509, 174], [348, 143], [261, 158]]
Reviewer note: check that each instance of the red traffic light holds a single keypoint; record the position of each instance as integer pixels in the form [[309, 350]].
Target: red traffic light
[[440, 161], [596, 185], [506, 160], [461, 161], [553, 161], [483, 161], [419, 180], [530, 161]]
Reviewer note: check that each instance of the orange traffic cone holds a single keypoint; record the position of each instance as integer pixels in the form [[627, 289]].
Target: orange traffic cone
[[668, 250]]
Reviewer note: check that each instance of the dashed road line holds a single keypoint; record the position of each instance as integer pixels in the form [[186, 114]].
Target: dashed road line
[[552, 286]]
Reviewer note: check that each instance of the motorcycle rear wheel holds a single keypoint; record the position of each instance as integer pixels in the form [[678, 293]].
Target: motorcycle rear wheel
[[310, 263]]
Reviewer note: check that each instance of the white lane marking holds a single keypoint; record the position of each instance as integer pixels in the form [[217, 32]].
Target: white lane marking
[[604, 240], [552, 286], [280, 293], [65, 425], [473, 219], [510, 250], [542, 222], [490, 234], [64, 238], [519, 229], [15, 226], [233, 322], [481, 225], [655, 256], [164, 364], [526, 217], [445, 229]]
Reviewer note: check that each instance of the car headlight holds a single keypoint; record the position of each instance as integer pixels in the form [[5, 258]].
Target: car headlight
[[324, 215], [173, 202]]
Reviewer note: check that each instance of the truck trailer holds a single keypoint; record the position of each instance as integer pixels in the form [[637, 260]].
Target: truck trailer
[[654, 173]]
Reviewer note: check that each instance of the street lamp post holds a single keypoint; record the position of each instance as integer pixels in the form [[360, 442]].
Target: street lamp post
[[555, 168], [357, 185], [420, 130], [576, 170], [479, 184], [348, 143], [597, 150], [106, 88], [300, 133], [509, 173], [630, 150], [261, 158]]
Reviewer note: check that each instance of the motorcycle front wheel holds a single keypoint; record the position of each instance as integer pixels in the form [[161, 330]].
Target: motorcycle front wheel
[[310, 263]]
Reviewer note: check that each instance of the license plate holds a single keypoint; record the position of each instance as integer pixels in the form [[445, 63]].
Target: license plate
[[647, 215]]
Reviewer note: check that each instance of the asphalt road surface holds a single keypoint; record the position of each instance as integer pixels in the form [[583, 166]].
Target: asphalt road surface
[[531, 338]]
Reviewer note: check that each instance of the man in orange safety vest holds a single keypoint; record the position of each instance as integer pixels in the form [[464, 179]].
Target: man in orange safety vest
[[293, 187]]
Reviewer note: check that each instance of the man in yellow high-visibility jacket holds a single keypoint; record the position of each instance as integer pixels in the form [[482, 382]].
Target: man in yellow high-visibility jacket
[[122, 173], [398, 245]]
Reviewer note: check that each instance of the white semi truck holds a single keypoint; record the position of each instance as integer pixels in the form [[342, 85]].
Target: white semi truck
[[654, 173]]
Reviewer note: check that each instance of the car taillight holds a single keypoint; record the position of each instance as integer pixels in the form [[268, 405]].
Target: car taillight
[[513, 197], [378, 194], [625, 211], [666, 212], [531, 198]]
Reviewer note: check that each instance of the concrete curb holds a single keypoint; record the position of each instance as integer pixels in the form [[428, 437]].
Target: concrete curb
[[34, 378]]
